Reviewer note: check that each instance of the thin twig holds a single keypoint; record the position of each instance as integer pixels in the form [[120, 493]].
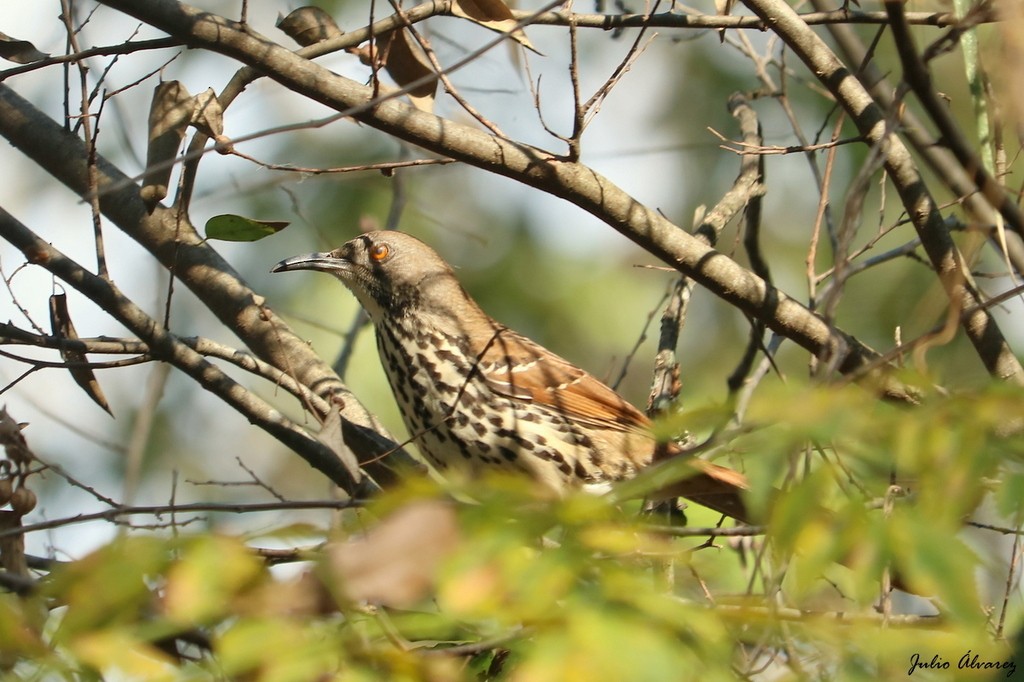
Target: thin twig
[[168, 347], [10, 334], [385, 167], [117, 512], [90, 130], [821, 217], [590, 108], [127, 47], [636, 346], [710, 532], [1012, 577], [142, 428], [754, 168], [610, 22], [772, 149], [917, 77]]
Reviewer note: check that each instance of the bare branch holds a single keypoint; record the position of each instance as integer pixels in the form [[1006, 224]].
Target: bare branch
[[916, 75], [938, 157], [167, 347], [177, 245], [574, 182], [122, 48], [978, 325], [120, 511], [10, 334], [610, 22]]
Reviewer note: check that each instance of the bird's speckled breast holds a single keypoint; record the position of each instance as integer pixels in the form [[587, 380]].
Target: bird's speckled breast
[[458, 421]]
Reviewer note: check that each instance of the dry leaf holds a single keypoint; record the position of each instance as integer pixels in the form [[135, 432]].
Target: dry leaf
[[62, 328], [309, 25], [170, 113], [405, 63], [396, 562], [13, 441], [208, 115], [173, 109], [331, 436], [12, 544], [19, 51], [492, 14]]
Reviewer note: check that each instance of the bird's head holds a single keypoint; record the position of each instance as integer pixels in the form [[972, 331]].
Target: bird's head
[[391, 273]]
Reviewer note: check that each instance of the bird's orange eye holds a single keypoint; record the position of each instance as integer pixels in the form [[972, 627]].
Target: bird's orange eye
[[379, 252]]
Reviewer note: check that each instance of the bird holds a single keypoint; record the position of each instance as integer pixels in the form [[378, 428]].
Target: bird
[[477, 396]]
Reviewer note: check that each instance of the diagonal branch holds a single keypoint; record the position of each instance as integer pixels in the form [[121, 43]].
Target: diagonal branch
[[917, 77], [167, 347], [9, 334], [979, 326], [676, 19], [941, 161], [177, 245], [537, 168]]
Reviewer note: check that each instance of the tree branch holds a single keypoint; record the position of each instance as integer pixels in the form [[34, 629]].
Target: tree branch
[[870, 120], [177, 245], [534, 167], [165, 346], [610, 22], [939, 158], [9, 334], [119, 511], [917, 77]]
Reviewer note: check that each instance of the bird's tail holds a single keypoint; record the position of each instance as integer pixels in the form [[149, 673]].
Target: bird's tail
[[711, 485]]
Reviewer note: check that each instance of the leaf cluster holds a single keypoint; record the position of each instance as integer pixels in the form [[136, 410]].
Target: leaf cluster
[[494, 580]]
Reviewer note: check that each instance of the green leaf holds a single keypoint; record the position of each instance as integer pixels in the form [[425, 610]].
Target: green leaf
[[935, 563], [1010, 495], [236, 228], [276, 649]]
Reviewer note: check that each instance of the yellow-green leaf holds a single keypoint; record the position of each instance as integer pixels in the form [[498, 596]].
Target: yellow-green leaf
[[202, 584], [109, 586], [117, 650]]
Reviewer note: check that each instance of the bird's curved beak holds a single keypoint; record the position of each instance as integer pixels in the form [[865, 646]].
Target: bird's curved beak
[[322, 261]]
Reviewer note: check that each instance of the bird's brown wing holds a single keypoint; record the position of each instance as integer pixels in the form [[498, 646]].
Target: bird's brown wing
[[516, 367]]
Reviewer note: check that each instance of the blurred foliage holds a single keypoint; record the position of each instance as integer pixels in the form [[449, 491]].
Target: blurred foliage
[[528, 587]]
